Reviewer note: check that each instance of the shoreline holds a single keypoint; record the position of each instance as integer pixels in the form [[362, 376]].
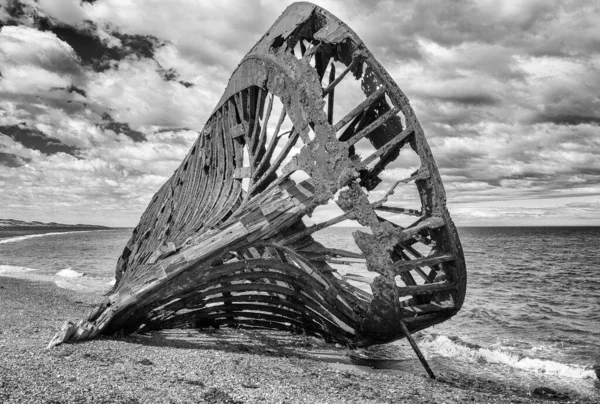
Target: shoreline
[[188, 365], [24, 231]]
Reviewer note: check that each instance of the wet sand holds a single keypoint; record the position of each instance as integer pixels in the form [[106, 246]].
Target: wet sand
[[204, 366]]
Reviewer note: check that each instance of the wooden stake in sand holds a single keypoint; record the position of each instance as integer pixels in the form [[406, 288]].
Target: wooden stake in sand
[[228, 239], [415, 347]]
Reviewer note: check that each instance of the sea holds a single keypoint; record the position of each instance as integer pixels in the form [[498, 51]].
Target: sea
[[531, 316]]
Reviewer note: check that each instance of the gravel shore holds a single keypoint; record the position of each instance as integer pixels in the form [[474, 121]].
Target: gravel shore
[[206, 366]]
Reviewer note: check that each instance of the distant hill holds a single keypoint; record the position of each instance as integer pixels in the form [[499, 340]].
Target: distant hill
[[11, 224]]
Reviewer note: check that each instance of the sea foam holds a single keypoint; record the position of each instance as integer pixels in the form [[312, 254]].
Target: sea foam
[[30, 236], [14, 270], [69, 273], [456, 348]]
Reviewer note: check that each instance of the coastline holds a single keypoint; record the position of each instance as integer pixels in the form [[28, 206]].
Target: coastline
[[28, 231], [213, 366]]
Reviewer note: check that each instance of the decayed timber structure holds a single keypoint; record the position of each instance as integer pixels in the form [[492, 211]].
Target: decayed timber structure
[[309, 117]]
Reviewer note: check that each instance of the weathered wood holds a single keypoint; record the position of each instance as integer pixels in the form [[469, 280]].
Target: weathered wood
[[334, 83], [403, 266], [330, 96], [400, 138], [416, 349], [277, 163], [395, 209], [372, 126], [363, 106], [426, 288], [206, 251]]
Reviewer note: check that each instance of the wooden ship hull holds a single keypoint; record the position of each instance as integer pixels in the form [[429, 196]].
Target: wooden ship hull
[[309, 117]]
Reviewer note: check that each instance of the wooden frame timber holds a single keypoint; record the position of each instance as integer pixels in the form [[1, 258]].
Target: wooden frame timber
[[223, 242]]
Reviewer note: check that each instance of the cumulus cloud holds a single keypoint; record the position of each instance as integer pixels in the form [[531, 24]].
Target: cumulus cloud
[[101, 99]]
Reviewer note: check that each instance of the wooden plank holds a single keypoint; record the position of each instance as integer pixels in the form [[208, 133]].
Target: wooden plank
[[330, 96], [284, 152], [238, 130], [262, 138], [395, 209], [403, 266], [373, 125], [242, 172], [332, 85], [426, 288], [360, 108], [403, 135]]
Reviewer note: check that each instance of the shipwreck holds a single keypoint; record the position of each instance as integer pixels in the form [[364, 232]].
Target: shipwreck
[[309, 119]]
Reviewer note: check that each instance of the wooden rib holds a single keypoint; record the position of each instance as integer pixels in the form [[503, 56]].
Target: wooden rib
[[276, 301], [233, 123], [316, 227], [272, 145], [404, 266], [426, 288], [432, 273], [189, 188], [307, 56], [203, 181], [399, 255], [262, 311], [395, 209], [373, 125], [260, 100], [330, 96], [430, 222], [345, 253], [363, 106], [238, 152], [224, 172], [307, 297], [332, 85], [403, 135], [286, 149], [225, 148], [239, 103], [226, 152], [202, 289], [236, 314], [212, 177], [427, 308], [263, 133], [358, 278], [421, 173], [349, 132]]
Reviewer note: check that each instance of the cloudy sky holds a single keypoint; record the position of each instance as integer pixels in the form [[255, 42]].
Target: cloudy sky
[[100, 100]]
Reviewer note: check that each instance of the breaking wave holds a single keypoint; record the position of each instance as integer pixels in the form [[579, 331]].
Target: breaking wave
[[14, 270], [69, 273], [65, 279], [456, 348], [30, 236]]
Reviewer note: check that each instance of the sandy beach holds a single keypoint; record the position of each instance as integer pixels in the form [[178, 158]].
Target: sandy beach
[[202, 366]]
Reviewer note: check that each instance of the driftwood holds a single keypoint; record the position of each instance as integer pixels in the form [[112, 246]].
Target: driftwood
[[223, 242]]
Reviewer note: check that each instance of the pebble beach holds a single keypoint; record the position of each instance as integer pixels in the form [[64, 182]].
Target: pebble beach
[[204, 366]]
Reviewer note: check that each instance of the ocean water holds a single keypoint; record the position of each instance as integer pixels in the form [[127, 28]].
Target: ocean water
[[531, 316], [80, 260]]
